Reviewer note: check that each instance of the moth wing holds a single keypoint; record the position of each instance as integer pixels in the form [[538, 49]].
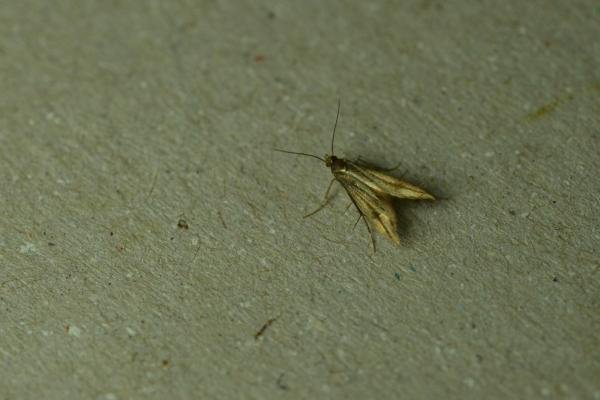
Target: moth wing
[[391, 185], [376, 208]]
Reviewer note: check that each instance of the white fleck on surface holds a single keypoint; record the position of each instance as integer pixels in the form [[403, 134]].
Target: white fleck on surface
[[74, 331], [27, 248], [107, 396], [130, 331]]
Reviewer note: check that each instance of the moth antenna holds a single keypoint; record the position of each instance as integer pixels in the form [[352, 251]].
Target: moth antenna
[[335, 126], [299, 154]]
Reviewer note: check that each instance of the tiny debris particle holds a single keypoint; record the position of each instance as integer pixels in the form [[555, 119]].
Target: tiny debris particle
[[259, 58], [182, 224], [397, 275], [264, 328], [555, 279], [165, 363]]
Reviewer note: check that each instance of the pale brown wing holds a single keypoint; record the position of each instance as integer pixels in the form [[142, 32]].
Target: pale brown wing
[[384, 183], [376, 208]]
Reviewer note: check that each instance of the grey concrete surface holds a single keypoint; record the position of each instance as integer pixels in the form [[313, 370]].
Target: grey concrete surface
[[118, 119]]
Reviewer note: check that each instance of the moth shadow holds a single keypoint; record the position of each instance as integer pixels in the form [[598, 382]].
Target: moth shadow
[[407, 211], [401, 206]]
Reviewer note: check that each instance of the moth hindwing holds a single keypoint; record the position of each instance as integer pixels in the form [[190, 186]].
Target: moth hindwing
[[371, 190]]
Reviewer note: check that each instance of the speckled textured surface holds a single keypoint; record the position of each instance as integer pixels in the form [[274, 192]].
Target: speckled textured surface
[[119, 119]]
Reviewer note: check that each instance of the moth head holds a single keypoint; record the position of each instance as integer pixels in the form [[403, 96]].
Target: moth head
[[330, 159]]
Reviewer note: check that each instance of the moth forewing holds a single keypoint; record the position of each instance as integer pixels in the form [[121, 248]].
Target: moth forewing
[[375, 207], [381, 182], [379, 214]]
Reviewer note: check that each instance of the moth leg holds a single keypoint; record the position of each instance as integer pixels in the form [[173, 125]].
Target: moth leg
[[370, 233], [347, 207], [357, 221], [325, 200], [368, 228]]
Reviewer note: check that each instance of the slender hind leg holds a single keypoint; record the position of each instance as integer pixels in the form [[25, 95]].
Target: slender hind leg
[[371, 233], [368, 228], [325, 201]]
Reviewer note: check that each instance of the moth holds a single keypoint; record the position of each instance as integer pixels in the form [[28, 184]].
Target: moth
[[371, 190]]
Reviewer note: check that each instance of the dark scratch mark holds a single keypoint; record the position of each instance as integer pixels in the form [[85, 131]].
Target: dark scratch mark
[[559, 101], [153, 185], [262, 330], [222, 220], [197, 251], [280, 384]]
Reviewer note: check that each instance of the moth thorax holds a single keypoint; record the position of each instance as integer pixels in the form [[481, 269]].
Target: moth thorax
[[336, 164]]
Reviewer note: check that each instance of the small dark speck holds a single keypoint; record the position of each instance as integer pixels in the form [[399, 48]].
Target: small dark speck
[[172, 238], [182, 224], [397, 275], [165, 363], [555, 279], [51, 244], [109, 283], [512, 212], [553, 201], [271, 15], [280, 384], [112, 233], [479, 357], [473, 325], [413, 269]]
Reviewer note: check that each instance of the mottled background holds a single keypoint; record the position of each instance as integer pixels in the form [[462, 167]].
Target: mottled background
[[149, 233]]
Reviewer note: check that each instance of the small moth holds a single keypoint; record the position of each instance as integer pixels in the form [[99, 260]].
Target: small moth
[[371, 190]]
